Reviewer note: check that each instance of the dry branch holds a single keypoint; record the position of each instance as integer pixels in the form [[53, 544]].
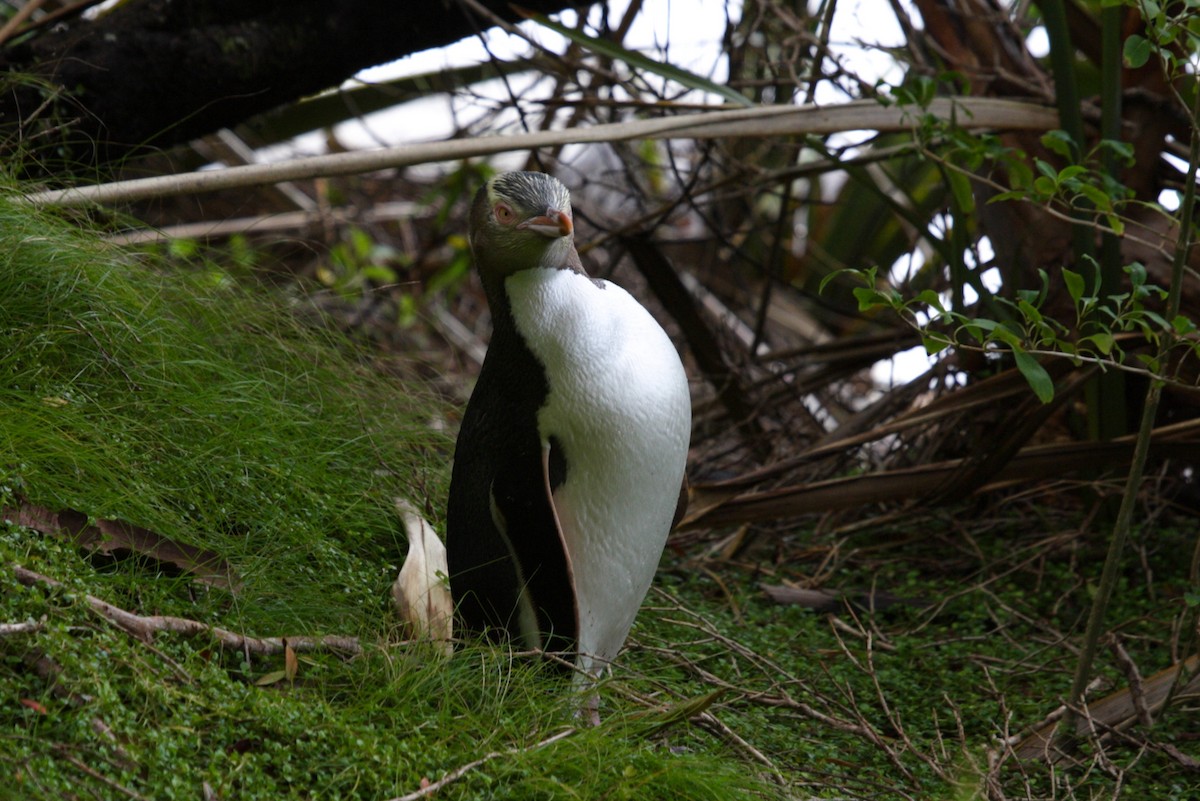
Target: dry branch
[[769, 121], [25, 627], [1118, 710], [462, 770], [719, 506], [144, 627]]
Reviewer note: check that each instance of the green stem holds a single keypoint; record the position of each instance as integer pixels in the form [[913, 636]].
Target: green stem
[[1062, 64], [1110, 129], [1108, 416], [1066, 94], [1116, 544]]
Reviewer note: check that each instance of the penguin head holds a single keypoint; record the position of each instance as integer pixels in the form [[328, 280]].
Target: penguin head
[[520, 221]]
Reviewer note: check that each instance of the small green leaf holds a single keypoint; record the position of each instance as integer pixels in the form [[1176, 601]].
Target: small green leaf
[[1136, 272], [1075, 284], [1046, 169], [1137, 51], [1071, 172], [1019, 174], [932, 300], [1058, 141], [935, 343], [380, 273], [1096, 195], [1015, 194], [1027, 296], [274, 677], [960, 185], [1031, 313], [1044, 186], [1001, 333], [870, 298], [183, 248], [1039, 380], [984, 324], [1157, 319], [1122, 150], [1183, 325], [1149, 361], [1103, 342]]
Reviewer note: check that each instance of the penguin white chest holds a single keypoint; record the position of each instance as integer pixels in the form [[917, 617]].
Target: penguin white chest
[[618, 406]]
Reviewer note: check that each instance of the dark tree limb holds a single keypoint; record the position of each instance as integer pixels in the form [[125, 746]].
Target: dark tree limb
[[154, 73]]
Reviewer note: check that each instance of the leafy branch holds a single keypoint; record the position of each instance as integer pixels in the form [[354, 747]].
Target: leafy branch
[[1101, 324]]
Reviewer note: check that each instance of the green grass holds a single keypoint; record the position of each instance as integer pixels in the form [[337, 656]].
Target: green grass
[[176, 400], [183, 404]]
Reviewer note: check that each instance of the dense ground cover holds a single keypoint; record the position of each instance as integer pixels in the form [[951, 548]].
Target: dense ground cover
[[270, 454]]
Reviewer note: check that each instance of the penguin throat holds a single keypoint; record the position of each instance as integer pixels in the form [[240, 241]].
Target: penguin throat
[[560, 254]]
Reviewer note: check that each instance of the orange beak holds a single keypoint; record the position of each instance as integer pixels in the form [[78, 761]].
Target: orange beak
[[553, 224]]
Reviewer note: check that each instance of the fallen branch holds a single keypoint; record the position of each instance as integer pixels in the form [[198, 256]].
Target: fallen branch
[[1116, 711], [144, 627], [21, 628], [462, 770], [761, 121], [723, 503]]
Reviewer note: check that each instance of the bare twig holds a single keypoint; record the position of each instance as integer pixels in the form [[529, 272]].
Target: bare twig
[[97, 775], [462, 770], [144, 627], [1137, 694], [18, 19]]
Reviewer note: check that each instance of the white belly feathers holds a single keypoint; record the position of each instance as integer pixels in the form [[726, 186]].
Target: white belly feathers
[[619, 406]]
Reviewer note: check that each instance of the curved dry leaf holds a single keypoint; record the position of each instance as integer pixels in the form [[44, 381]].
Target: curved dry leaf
[[114, 536]]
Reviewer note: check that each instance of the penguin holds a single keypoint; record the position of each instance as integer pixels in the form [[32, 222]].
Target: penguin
[[569, 466]]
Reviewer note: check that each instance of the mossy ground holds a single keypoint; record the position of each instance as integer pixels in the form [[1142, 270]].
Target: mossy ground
[[177, 401]]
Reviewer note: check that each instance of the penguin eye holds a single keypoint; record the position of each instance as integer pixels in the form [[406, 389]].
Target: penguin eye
[[504, 214]]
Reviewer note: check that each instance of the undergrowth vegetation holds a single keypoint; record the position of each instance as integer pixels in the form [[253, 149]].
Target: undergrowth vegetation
[[181, 403]]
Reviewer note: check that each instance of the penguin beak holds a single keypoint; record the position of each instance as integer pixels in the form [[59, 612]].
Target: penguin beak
[[552, 225]]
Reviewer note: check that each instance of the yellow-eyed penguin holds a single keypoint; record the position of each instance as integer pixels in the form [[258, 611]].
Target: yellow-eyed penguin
[[571, 453]]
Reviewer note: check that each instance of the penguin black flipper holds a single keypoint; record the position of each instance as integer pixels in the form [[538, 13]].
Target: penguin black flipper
[[681, 505], [509, 571]]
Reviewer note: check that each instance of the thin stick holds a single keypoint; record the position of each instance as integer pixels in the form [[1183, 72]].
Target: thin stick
[[144, 627], [97, 775], [462, 770], [18, 19]]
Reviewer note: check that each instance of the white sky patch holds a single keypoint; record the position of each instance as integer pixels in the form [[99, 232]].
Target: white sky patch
[[903, 367], [687, 33], [1038, 42]]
